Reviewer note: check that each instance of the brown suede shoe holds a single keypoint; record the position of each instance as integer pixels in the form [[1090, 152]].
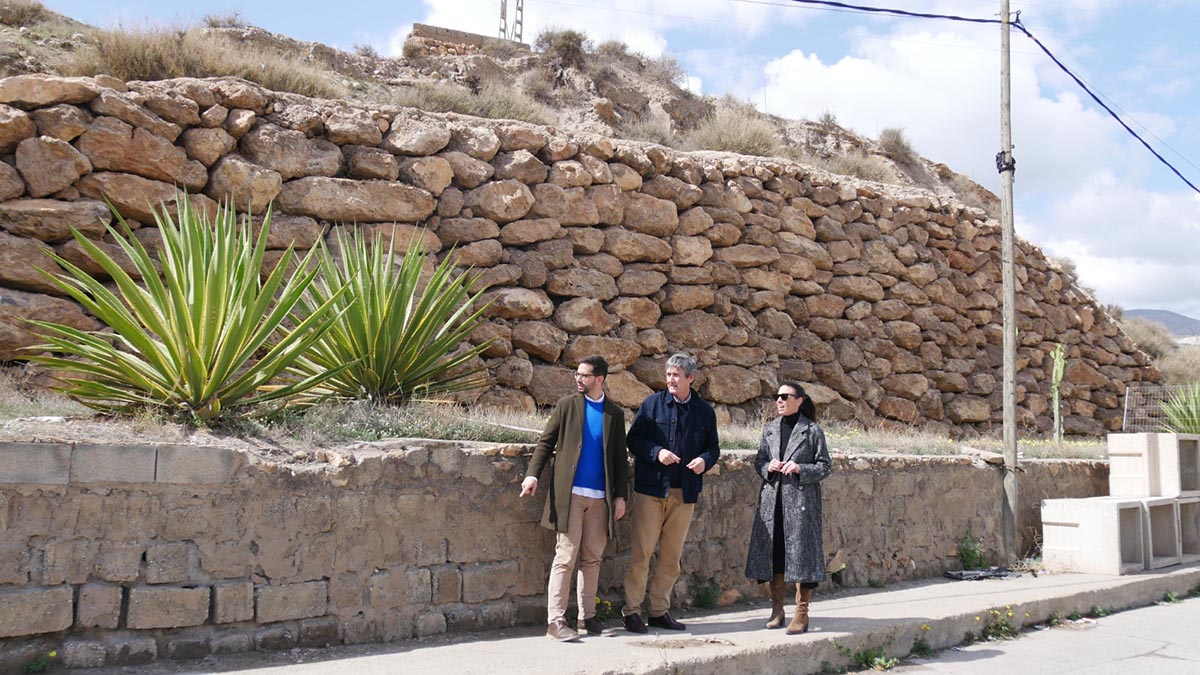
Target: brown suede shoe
[[560, 631]]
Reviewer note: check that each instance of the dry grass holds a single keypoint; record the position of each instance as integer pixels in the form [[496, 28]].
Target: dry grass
[[494, 101], [736, 127], [164, 53], [853, 163], [1182, 366], [20, 398], [1150, 336], [19, 13], [651, 127], [334, 423], [895, 145]]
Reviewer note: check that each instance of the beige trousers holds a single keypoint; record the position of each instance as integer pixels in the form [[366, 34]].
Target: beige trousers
[[665, 522], [584, 541]]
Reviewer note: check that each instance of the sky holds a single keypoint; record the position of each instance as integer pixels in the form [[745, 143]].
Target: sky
[[1084, 188]]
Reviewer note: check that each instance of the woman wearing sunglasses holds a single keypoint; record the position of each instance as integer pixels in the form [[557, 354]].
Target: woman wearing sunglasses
[[785, 542]]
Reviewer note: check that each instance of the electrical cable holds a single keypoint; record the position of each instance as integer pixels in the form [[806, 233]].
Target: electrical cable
[[1016, 23]]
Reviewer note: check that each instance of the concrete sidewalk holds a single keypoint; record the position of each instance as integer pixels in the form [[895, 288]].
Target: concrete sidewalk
[[941, 612]]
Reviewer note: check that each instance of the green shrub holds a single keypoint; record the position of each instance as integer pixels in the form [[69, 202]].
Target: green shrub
[[896, 146], [165, 53], [970, 553], [1182, 410], [207, 336], [921, 648], [705, 593], [736, 127], [395, 336], [566, 48]]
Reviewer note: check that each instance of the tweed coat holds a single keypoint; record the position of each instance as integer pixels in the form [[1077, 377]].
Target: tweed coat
[[562, 441], [804, 555]]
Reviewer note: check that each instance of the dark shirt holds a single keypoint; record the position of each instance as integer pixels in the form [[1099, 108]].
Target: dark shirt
[[785, 432]]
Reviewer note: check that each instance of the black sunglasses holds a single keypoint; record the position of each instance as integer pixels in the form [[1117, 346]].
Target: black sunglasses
[[785, 396]]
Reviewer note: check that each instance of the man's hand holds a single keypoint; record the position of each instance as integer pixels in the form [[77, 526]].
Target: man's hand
[[618, 508], [667, 458], [774, 466], [696, 465], [528, 486]]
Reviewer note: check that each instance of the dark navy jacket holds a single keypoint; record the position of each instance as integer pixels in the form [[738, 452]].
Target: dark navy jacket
[[650, 432]]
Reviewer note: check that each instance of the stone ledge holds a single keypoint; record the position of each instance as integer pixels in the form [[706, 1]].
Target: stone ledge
[[190, 465], [113, 463], [38, 463]]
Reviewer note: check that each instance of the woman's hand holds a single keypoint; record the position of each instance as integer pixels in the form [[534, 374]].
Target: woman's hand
[[774, 466], [789, 467]]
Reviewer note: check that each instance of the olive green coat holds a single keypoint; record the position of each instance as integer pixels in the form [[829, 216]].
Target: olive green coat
[[562, 441]]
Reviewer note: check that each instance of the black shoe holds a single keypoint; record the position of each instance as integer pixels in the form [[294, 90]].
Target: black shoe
[[665, 621], [593, 625], [634, 623]]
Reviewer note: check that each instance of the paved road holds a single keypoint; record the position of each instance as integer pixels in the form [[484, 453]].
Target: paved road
[[1158, 640]]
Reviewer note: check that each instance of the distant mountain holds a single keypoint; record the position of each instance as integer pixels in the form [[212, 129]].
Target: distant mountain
[[1179, 325]]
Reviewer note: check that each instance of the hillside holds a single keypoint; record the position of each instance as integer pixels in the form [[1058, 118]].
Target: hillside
[[564, 81], [1179, 325]]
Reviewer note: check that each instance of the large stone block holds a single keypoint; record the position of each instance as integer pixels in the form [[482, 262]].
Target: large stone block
[[167, 563], [167, 607], [38, 463], [30, 611], [99, 606], [113, 463], [283, 602], [233, 602], [196, 464]]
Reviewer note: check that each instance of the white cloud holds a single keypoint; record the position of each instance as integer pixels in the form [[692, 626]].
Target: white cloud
[[1137, 248], [943, 90]]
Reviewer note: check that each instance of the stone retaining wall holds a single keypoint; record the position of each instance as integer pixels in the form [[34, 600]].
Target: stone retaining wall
[[128, 554], [884, 303]]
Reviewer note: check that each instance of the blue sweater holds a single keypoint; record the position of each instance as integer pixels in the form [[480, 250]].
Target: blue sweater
[[590, 471]]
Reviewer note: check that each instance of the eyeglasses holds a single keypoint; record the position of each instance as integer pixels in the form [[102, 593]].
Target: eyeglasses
[[785, 396], [584, 376]]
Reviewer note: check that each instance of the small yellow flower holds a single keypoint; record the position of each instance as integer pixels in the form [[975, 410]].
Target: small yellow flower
[[53, 655], [1026, 615], [1010, 614], [976, 618], [925, 626]]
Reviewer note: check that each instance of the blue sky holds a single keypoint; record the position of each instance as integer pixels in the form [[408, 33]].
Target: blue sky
[[1084, 188]]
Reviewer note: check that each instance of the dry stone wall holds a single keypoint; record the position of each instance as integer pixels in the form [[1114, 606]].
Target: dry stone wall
[[125, 554], [885, 305]]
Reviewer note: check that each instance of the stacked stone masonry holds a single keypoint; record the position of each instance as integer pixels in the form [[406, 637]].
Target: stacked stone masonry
[[411, 539], [886, 304]]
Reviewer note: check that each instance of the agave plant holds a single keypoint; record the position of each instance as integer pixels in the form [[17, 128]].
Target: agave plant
[[399, 334], [1182, 410], [207, 336]]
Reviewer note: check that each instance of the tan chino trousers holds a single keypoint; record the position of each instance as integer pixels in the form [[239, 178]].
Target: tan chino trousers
[[664, 521], [584, 541]]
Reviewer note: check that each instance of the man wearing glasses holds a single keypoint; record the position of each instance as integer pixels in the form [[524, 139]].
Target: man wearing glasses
[[587, 491], [673, 440]]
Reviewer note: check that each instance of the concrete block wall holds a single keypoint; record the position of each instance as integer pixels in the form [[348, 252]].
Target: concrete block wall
[[190, 551]]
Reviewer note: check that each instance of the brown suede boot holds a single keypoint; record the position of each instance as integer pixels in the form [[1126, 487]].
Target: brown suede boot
[[799, 622], [776, 586]]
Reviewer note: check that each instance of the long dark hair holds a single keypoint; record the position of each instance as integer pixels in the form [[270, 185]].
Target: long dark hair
[[806, 405]]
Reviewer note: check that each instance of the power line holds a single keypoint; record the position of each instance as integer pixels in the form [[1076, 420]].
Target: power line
[[1016, 23]]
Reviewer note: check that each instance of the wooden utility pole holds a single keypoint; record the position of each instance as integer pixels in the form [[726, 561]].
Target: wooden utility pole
[[1007, 166]]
